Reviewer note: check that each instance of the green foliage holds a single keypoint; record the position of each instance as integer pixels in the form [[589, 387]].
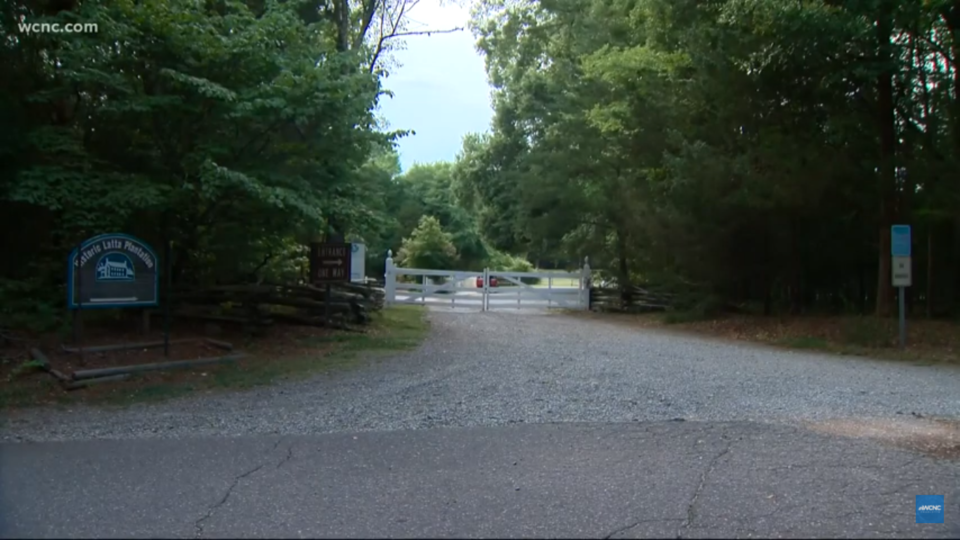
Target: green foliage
[[428, 246], [26, 304], [237, 131], [429, 190], [751, 152], [26, 368], [510, 263], [737, 152]]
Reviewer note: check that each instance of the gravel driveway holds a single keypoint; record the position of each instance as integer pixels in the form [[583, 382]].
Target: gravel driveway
[[480, 369]]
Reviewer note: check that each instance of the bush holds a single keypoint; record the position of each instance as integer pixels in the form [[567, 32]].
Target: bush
[[28, 305], [505, 262]]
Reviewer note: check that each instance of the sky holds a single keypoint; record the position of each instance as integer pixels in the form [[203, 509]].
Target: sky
[[440, 88]]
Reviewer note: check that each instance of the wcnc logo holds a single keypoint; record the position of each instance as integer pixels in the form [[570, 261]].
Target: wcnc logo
[[930, 508]]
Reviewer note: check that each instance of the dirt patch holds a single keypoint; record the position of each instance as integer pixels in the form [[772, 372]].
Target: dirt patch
[[281, 352], [929, 341], [935, 437], [27, 385]]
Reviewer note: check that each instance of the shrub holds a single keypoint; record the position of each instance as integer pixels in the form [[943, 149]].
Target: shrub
[[505, 262]]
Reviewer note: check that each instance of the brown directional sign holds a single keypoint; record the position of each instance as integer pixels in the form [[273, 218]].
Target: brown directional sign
[[330, 262]]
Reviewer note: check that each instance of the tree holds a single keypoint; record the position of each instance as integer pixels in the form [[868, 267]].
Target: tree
[[737, 150], [207, 125], [428, 190], [428, 246]]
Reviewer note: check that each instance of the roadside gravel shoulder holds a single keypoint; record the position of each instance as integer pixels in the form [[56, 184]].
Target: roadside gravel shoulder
[[495, 368]]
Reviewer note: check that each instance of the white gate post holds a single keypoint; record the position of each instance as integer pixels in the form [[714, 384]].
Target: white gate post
[[550, 292], [423, 289], [484, 301], [585, 284], [389, 281]]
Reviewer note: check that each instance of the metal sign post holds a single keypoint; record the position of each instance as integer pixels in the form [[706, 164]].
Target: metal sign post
[[78, 314], [168, 277], [902, 276]]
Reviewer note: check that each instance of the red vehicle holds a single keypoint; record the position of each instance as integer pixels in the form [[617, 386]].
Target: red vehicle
[[493, 282]]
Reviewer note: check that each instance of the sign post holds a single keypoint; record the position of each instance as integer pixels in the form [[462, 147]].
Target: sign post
[[329, 263], [78, 313], [900, 250]]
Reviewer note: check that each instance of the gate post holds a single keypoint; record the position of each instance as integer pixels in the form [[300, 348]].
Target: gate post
[[585, 284], [389, 281], [485, 299]]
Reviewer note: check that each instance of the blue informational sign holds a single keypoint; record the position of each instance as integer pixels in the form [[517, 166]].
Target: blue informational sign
[[112, 271], [900, 240]]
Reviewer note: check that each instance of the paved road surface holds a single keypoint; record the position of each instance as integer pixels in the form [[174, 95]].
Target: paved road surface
[[661, 480], [552, 427]]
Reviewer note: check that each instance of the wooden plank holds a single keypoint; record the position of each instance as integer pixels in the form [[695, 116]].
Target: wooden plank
[[225, 345], [128, 346], [76, 385], [105, 372]]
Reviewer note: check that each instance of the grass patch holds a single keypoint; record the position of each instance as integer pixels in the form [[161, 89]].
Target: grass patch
[[394, 329], [866, 332], [558, 282]]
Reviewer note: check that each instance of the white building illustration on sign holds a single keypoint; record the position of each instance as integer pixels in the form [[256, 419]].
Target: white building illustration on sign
[[115, 267]]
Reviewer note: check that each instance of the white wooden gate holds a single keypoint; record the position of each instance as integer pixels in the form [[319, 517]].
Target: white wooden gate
[[459, 289]]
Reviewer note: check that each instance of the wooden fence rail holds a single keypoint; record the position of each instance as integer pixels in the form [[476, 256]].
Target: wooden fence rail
[[632, 299]]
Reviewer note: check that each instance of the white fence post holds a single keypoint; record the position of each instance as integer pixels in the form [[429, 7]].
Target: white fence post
[[486, 290], [585, 284], [549, 289], [389, 281]]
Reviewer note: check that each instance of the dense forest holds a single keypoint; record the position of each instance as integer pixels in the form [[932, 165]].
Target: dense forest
[[745, 152]]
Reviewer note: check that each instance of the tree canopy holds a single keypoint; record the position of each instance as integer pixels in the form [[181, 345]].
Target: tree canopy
[[756, 151], [752, 151], [238, 131]]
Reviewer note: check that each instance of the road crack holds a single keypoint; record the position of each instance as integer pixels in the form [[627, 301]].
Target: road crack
[[626, 528], [692, 507], [288, 457], [198, 524]]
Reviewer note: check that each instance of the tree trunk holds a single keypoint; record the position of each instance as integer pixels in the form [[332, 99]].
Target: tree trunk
[[768, 298], [886, 120], [624, 270], [930, 274], [953, 298], [862, 290]]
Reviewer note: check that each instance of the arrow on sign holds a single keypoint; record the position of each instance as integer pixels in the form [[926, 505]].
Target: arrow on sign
[[337, 262]]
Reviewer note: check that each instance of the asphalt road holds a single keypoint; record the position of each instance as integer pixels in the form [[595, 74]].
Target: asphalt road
[[668, 479], [508, 425]]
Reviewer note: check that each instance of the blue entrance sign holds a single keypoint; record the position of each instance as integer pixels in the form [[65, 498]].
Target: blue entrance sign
[[900, 240], [112, 271]]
